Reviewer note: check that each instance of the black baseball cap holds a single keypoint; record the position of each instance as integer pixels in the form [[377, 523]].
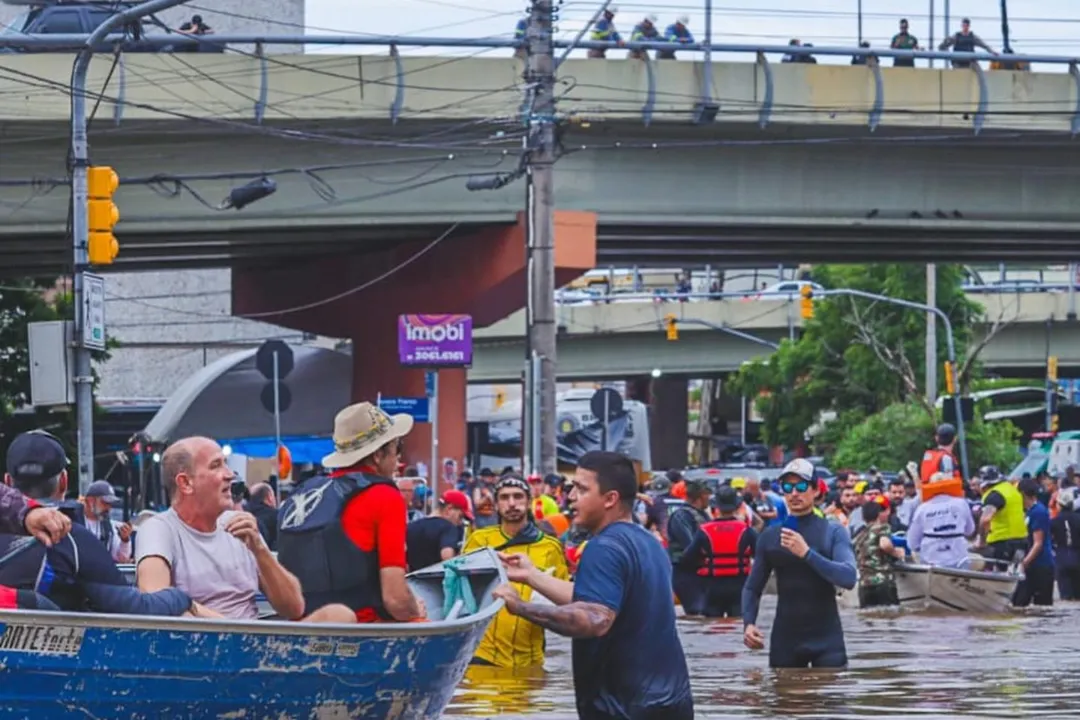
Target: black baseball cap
[[727, 499], [103, 490], [35, 456]]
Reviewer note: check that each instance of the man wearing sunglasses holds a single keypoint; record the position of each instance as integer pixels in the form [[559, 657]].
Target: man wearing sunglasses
[[812, 557]]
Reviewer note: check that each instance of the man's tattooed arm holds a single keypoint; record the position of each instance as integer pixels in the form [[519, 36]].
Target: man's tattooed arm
[[575, 620]]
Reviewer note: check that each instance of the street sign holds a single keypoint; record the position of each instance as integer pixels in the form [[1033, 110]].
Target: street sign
[[609, 397], [266, 397], [417, 407], [94, 306], [429, 383], [435, 340], [264, 359]]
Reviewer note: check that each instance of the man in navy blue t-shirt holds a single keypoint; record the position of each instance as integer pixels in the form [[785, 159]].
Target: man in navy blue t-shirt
[[1038, 583], [628, 660]]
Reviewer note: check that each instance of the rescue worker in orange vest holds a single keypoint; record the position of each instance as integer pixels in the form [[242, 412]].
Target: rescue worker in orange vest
[[941, 459], [721, 553]]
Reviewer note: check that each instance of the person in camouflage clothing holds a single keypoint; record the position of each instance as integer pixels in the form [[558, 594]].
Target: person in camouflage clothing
[[875, 555]]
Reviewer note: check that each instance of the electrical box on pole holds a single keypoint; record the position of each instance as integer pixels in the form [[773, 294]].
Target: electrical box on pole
[[102, 215]]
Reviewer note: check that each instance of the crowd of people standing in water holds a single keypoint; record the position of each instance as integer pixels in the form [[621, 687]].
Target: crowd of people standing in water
[[611, 560]]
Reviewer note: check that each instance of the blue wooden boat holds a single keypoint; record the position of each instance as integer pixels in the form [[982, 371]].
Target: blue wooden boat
[[124, 667]]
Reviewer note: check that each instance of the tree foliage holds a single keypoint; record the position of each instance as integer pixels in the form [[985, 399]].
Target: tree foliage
[[902, 432], [858, 357]]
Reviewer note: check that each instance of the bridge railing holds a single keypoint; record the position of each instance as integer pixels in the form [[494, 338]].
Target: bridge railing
[[706, 108]]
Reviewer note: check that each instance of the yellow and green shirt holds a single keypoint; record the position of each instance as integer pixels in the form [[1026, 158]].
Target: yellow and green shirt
[[511, 641]]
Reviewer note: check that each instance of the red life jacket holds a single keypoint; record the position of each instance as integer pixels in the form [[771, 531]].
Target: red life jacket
[[931, 464], [723, 560]]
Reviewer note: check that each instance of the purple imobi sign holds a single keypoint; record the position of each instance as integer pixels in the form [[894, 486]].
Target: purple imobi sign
[[435, 340]]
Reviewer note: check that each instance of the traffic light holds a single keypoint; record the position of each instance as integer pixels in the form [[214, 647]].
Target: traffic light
[[284, 463], [1052, 368], [806, 305], [500, 398], [950, 378], [672, 327], [102, 215], [1054, 423]]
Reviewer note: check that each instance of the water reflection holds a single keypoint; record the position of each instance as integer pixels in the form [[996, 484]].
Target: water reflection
[[903, 665]]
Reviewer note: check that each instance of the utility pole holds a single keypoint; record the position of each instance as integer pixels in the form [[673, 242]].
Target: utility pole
[[540, 232], [931, 335]]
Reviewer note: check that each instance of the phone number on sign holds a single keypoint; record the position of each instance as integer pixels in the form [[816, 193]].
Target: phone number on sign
[[436, 355]]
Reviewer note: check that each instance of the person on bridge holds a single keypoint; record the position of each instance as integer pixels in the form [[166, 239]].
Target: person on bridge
[[644, 31], [964, 41], [904, 40], [812, 557], [604, 31], [677, 32], [520, 30]]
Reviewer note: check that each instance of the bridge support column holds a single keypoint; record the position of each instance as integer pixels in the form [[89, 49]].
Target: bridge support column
[[360, 296], [668, 422]]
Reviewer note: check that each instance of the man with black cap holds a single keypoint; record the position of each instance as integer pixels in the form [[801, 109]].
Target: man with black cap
[[812, 558], [76, 573], [721, 555], [98, 502], [20, 515], [941, 459]]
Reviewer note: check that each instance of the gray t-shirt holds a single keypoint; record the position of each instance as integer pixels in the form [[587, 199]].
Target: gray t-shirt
[[215, 569]]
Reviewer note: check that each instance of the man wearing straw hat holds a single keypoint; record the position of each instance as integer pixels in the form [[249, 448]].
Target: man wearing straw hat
[[352, 519]]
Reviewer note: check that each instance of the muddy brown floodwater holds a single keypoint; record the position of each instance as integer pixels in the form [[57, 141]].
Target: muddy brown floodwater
[[902, 665]]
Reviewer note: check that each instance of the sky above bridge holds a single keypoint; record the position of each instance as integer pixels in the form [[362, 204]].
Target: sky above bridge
[[1036, 26]]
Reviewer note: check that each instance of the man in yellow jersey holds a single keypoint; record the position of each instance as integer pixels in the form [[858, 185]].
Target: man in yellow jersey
[[1003, 522], [510, 641]]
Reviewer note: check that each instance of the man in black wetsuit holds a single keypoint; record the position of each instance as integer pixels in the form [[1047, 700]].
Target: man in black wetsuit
[[811, 557]]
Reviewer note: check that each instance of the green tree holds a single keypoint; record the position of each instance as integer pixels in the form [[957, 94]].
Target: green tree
[[857, 357], [902, 432]]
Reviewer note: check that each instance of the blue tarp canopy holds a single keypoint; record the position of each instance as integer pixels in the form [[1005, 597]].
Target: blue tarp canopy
[[304, 449]]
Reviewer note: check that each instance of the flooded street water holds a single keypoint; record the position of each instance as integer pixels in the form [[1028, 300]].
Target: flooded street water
[[903, 665]]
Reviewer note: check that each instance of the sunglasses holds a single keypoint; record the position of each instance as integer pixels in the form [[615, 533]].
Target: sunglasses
[[790, 487]]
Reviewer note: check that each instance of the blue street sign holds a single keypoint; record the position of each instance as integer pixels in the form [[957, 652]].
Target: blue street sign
[[429, 383], [417, 407]]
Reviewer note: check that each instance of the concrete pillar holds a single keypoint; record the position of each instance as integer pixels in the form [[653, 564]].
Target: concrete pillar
[[481, 273], [668, 422]]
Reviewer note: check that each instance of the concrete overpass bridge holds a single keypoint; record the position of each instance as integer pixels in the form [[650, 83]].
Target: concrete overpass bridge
[[371, 153], [626, 340]]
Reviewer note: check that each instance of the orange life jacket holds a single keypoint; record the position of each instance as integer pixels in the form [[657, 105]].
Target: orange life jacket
[[724, 559], [931, 464]]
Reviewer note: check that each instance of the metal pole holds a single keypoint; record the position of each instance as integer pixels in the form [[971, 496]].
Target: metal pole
[[931, 335], [860, 22], [1071, 315], [951, 348], [528, 450], [540, 219], [931, 45], [80, 232], [603, 440], [537, 362], [277, 419], [707, 76], [433, 413], [1046, 364], [791, 318], [945, 23], [742, 421]]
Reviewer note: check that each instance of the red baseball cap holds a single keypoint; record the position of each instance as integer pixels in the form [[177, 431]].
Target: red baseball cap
[[458, 499], [883, 502]]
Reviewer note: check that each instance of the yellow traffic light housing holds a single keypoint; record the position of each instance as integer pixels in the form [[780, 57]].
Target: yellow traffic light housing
[[672, 328], [806, 304], [500, 398], [102, 215], [1055, 423], [950, 378], [1052, 367]]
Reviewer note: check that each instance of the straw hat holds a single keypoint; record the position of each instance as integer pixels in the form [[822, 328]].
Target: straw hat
[[360, 430]]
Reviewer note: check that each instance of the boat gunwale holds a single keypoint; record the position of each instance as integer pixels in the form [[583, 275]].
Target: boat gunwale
[[265, 627], [923, 569]]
